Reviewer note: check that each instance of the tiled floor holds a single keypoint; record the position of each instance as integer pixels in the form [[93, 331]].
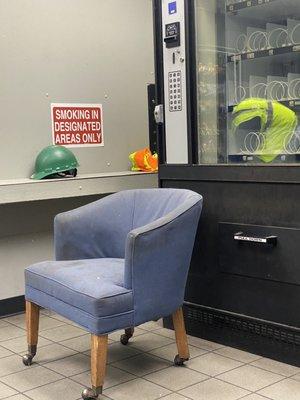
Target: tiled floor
[[141, 371]]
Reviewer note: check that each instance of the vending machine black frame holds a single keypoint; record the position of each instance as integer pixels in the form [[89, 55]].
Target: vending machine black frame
[[236, 305]]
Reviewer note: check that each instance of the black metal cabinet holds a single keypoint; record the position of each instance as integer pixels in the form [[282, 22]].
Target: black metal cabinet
[[244, 294], [235, 139]]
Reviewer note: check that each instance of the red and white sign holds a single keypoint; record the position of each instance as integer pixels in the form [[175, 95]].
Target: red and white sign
[[77, 125]]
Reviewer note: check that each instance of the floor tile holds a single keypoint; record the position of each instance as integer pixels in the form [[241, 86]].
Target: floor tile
[[118, 352], [30, 378], [169, 333], [238, 355], [58, 317], [62, 333], [6, 391], [276, 367], [175, 396], [3, 323], [81, 343], [19, 345], [72, 365], [11, 364], [46, 312], [212, 364], [10, 332], [149, 341], [115, 336], [204, 344], [53, 352], [4, 352], [296, 377], [287, 389], [62, 390], [250, 378], [142, 364], [151, 326], [175, 378], [255, 397], [44, 322], [18, 397], [18, 320], [48, 323], [113, 377], [136, 389], [169, 352], [214, 389]]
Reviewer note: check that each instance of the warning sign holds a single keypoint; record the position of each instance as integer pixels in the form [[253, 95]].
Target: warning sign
[[76, 125]]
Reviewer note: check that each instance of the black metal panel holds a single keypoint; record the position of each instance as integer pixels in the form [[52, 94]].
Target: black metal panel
[[232, 173], [11, 306], [191, 67], [152, 124], [159, 73], [260, 337], [257, 336], [222, 87], [244, 250], [248, 203], [242, 298]]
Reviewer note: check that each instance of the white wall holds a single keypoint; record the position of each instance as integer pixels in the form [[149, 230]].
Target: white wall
[[66, 51], [74, 51]]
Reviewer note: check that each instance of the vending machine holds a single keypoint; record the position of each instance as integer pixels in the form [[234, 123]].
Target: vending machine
[[228, 115]]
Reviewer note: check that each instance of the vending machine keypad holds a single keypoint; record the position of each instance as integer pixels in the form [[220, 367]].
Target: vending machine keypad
[[175, 91]]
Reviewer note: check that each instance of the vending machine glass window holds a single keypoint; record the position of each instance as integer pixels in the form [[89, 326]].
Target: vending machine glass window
[[248, 81]]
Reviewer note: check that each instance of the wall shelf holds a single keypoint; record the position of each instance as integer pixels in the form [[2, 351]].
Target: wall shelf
[[293, 104], [254, 55], [25, 190], [231, 8], [283, 158]]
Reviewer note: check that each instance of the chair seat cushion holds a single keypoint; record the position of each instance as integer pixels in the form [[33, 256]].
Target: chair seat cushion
[[95, 286]]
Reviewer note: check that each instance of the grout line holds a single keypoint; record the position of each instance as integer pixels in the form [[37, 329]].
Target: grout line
[[12, 338], [19, 393], [65, 376], [271, 384], [184, 396], [138, 376], [194, 384], [110, 387], [246, 364], [46, 384], [245, 397], [275, 373], [146, 352]]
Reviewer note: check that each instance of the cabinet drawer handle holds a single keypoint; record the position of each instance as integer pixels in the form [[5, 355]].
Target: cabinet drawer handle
[[241, 237]]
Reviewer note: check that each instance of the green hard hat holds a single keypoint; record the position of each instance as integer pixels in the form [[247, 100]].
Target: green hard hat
[[53, 160]]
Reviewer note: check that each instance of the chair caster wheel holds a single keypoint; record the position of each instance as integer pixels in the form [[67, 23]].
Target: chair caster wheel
[[179, 362], [27, 360], [90, 394], [124, 339]]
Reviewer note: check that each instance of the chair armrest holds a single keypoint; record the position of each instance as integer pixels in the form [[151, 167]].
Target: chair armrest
[[97, 230], [157, 260]]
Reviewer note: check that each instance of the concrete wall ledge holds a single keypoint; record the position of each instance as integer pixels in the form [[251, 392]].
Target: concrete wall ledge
[[24, 190]]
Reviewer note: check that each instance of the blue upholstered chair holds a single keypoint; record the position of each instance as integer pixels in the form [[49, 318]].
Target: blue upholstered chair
[[120, 262]]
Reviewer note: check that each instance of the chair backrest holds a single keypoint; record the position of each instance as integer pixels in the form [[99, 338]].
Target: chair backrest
[[159, 249], [152, 204], [100, 229]]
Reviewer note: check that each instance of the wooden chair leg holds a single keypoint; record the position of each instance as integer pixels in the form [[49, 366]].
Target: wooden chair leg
[[98, 366], [127, 335], [181, 338], [32, 324]]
